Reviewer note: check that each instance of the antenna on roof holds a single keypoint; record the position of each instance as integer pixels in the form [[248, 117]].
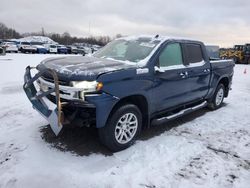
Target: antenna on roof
[[156, 36]]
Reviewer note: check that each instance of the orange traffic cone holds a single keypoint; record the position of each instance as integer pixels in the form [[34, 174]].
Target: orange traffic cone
[[245, 71]]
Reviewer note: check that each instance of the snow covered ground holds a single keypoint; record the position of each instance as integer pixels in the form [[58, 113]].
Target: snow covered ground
[[203, 149]]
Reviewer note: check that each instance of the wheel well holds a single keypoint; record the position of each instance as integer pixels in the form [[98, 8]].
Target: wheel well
[[225, 82], [140, 101]]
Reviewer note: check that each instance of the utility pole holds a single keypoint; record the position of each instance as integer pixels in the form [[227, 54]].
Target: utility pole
[[43, 33]]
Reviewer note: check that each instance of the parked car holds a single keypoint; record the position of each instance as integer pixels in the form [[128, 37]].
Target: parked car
[[96, 47], [51, 48], [2, 50], [40, 49], [10, 47], [72, 49], [81, 50], [131, 83], [61, 49], [25, 47], [88, 50]]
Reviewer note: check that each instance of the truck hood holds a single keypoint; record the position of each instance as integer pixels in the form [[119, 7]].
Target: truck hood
[[82, 67]]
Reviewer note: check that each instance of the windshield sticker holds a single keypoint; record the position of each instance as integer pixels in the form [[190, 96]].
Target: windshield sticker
[[150, 45]]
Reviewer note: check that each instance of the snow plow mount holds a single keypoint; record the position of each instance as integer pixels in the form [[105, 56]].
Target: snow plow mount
[[50, 111]]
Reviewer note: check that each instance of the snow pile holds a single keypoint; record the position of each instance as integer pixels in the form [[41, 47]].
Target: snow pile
[[41, 39], [204, 149]]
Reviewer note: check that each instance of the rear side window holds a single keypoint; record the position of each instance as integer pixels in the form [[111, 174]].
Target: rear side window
[[171, 55], [194, 53]]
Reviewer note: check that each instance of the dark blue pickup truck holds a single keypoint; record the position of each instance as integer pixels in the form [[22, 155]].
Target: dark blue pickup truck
[[131, 83]]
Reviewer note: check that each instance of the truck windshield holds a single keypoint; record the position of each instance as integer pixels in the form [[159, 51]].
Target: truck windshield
[[128, 50]]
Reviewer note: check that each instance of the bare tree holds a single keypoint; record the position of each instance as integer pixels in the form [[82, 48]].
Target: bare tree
[[8, 33]]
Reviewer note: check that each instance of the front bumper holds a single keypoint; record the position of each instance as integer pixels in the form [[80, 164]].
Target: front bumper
[[62, 51], [11, 49], [50, 111], [42, 50], [30, 50], [52, 51], [55, 109]]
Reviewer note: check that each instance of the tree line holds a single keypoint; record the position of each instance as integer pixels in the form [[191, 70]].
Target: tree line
[[65, 38], [8, 33]]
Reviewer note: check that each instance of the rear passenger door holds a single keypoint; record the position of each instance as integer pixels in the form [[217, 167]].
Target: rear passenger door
[[198, 69]]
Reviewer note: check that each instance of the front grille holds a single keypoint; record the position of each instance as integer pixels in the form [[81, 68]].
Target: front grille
[[52, 98], [51, 80]]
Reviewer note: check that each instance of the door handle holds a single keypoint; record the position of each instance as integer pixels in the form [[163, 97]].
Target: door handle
[[184, 74], [206, 70]]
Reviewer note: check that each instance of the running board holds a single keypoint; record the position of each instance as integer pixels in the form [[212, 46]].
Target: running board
[[179, 114]]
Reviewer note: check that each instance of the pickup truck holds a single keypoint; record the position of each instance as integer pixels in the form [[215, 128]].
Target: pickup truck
[[25, 47], [131, 83]]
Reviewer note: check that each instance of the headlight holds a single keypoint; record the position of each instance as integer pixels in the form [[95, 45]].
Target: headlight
[[87, 85]]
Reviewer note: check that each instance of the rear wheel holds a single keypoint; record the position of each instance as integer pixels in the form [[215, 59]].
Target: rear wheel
[[218, 97], [22, 50], [122, 128]]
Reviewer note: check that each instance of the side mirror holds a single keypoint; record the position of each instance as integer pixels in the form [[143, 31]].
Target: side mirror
[[158, 69]]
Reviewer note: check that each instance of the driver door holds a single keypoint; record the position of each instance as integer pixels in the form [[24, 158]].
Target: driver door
[[171, 78]]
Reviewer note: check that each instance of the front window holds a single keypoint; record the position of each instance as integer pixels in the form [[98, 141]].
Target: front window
[[238, 47], [171, 55], [128, 50]]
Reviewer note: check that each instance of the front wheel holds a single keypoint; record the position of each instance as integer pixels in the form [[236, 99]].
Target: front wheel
[[122, 128], [218, 97]]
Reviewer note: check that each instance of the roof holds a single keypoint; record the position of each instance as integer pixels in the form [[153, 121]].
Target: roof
[[161, 38]]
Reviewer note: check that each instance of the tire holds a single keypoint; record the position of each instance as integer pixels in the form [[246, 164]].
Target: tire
[[116, 134], [22, 50], [218, 98]]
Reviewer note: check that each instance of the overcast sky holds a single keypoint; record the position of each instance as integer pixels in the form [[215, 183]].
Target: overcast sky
[[222, 22]]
